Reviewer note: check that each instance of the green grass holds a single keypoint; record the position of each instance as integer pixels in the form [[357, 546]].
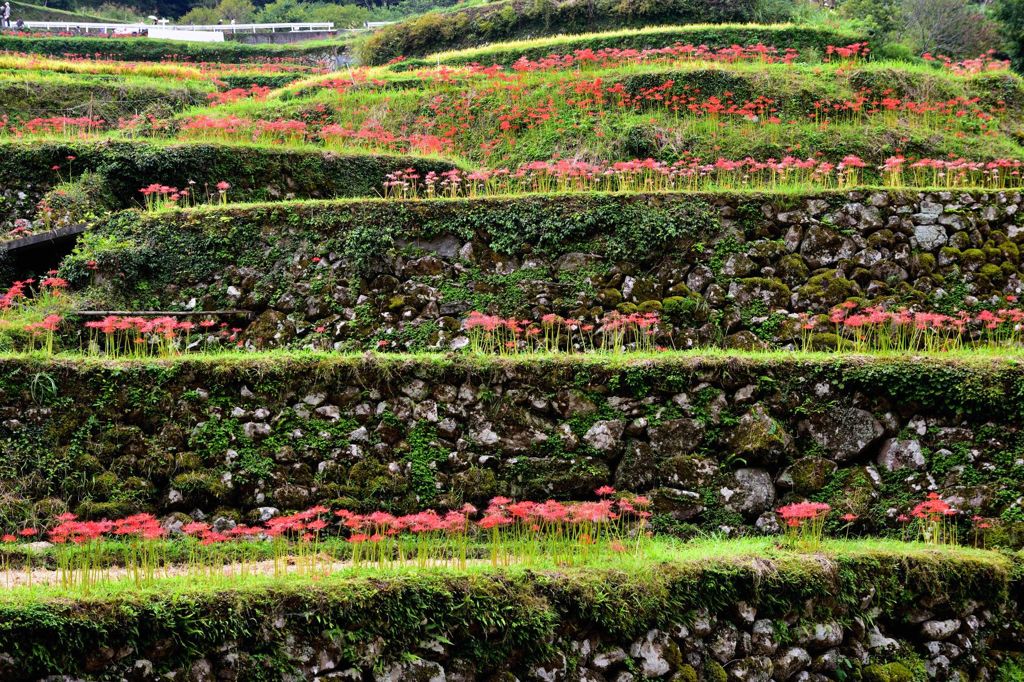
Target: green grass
[[26, 95], [778, 35], [406, 104], [694, 554], [486, 121], [984, 357], [33, 12]]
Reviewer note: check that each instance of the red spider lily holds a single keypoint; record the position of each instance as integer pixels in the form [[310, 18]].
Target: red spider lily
[[804, 522], [986, 62], [935, 520]]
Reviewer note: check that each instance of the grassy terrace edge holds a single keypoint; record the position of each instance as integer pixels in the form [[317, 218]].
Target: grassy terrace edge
[[146, 49], [497, 619], [713, 35]]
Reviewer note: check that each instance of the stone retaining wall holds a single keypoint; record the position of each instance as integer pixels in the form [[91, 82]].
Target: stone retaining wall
[[717, 443], [720, 269], [874, 617]]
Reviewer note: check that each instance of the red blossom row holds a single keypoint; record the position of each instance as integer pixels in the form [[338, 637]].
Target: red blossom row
[[316, 522], [693, 173]]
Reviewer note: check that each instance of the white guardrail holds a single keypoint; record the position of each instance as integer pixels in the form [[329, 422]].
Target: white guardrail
[[88, 27]]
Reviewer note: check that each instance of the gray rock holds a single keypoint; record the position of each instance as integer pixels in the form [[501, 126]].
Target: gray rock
[[763, 638], [420, 670], [940, 629], [330, 412], [930, 237], [844, 432], [876, 641], [789, 662], [822, 635], [651, 652], [758, 436], [606, 436], [749, 492], [901, 454], [256, 429], [823, 246], [676, 437], [751, 669], [264, 514], [606, 659], [722, 643]]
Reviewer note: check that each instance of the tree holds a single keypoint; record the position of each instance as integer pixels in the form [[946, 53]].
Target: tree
[[239, 11], [1010, 15], [200, 16], [956, 28], [883, 17]]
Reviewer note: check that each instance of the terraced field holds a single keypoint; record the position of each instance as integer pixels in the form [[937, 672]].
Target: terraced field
[[679, 352]]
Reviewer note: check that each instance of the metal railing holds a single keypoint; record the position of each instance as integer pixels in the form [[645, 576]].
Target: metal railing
[[90, 27]]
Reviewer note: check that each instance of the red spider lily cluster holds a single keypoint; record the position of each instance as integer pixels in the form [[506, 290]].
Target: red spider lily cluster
[[982, 64], [41, 333], [874, 328], [614, 332], [804, 522], [611, 56], [852, 51], [255, 92], [61, 125], [507, 532], [959, 111], [229, 127], [936, 520], [15, 294], [649, 175], [158, 197], [117, 335], [459, 115]]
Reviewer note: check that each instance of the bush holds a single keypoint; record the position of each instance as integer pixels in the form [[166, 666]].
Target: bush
[[1010, 14], [76, 202]]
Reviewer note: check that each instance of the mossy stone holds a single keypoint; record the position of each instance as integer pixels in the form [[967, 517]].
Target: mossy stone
[[105, 483], [91, 509], [626, 308], [687, 673], [476, 484], [961, 240], [610, 297], [396, 303], [881, 238], [811, 474], [972, 259], [649, 307], [923, 263], [683, 310], [199, 486], [188, 461], [772, 292], [993, 273], [792, 268], [680, 289], [713, 672], [829, 289], [887, 672], [88, 463]]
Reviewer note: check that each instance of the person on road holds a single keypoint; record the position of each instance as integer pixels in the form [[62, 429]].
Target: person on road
[[5, 15]]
